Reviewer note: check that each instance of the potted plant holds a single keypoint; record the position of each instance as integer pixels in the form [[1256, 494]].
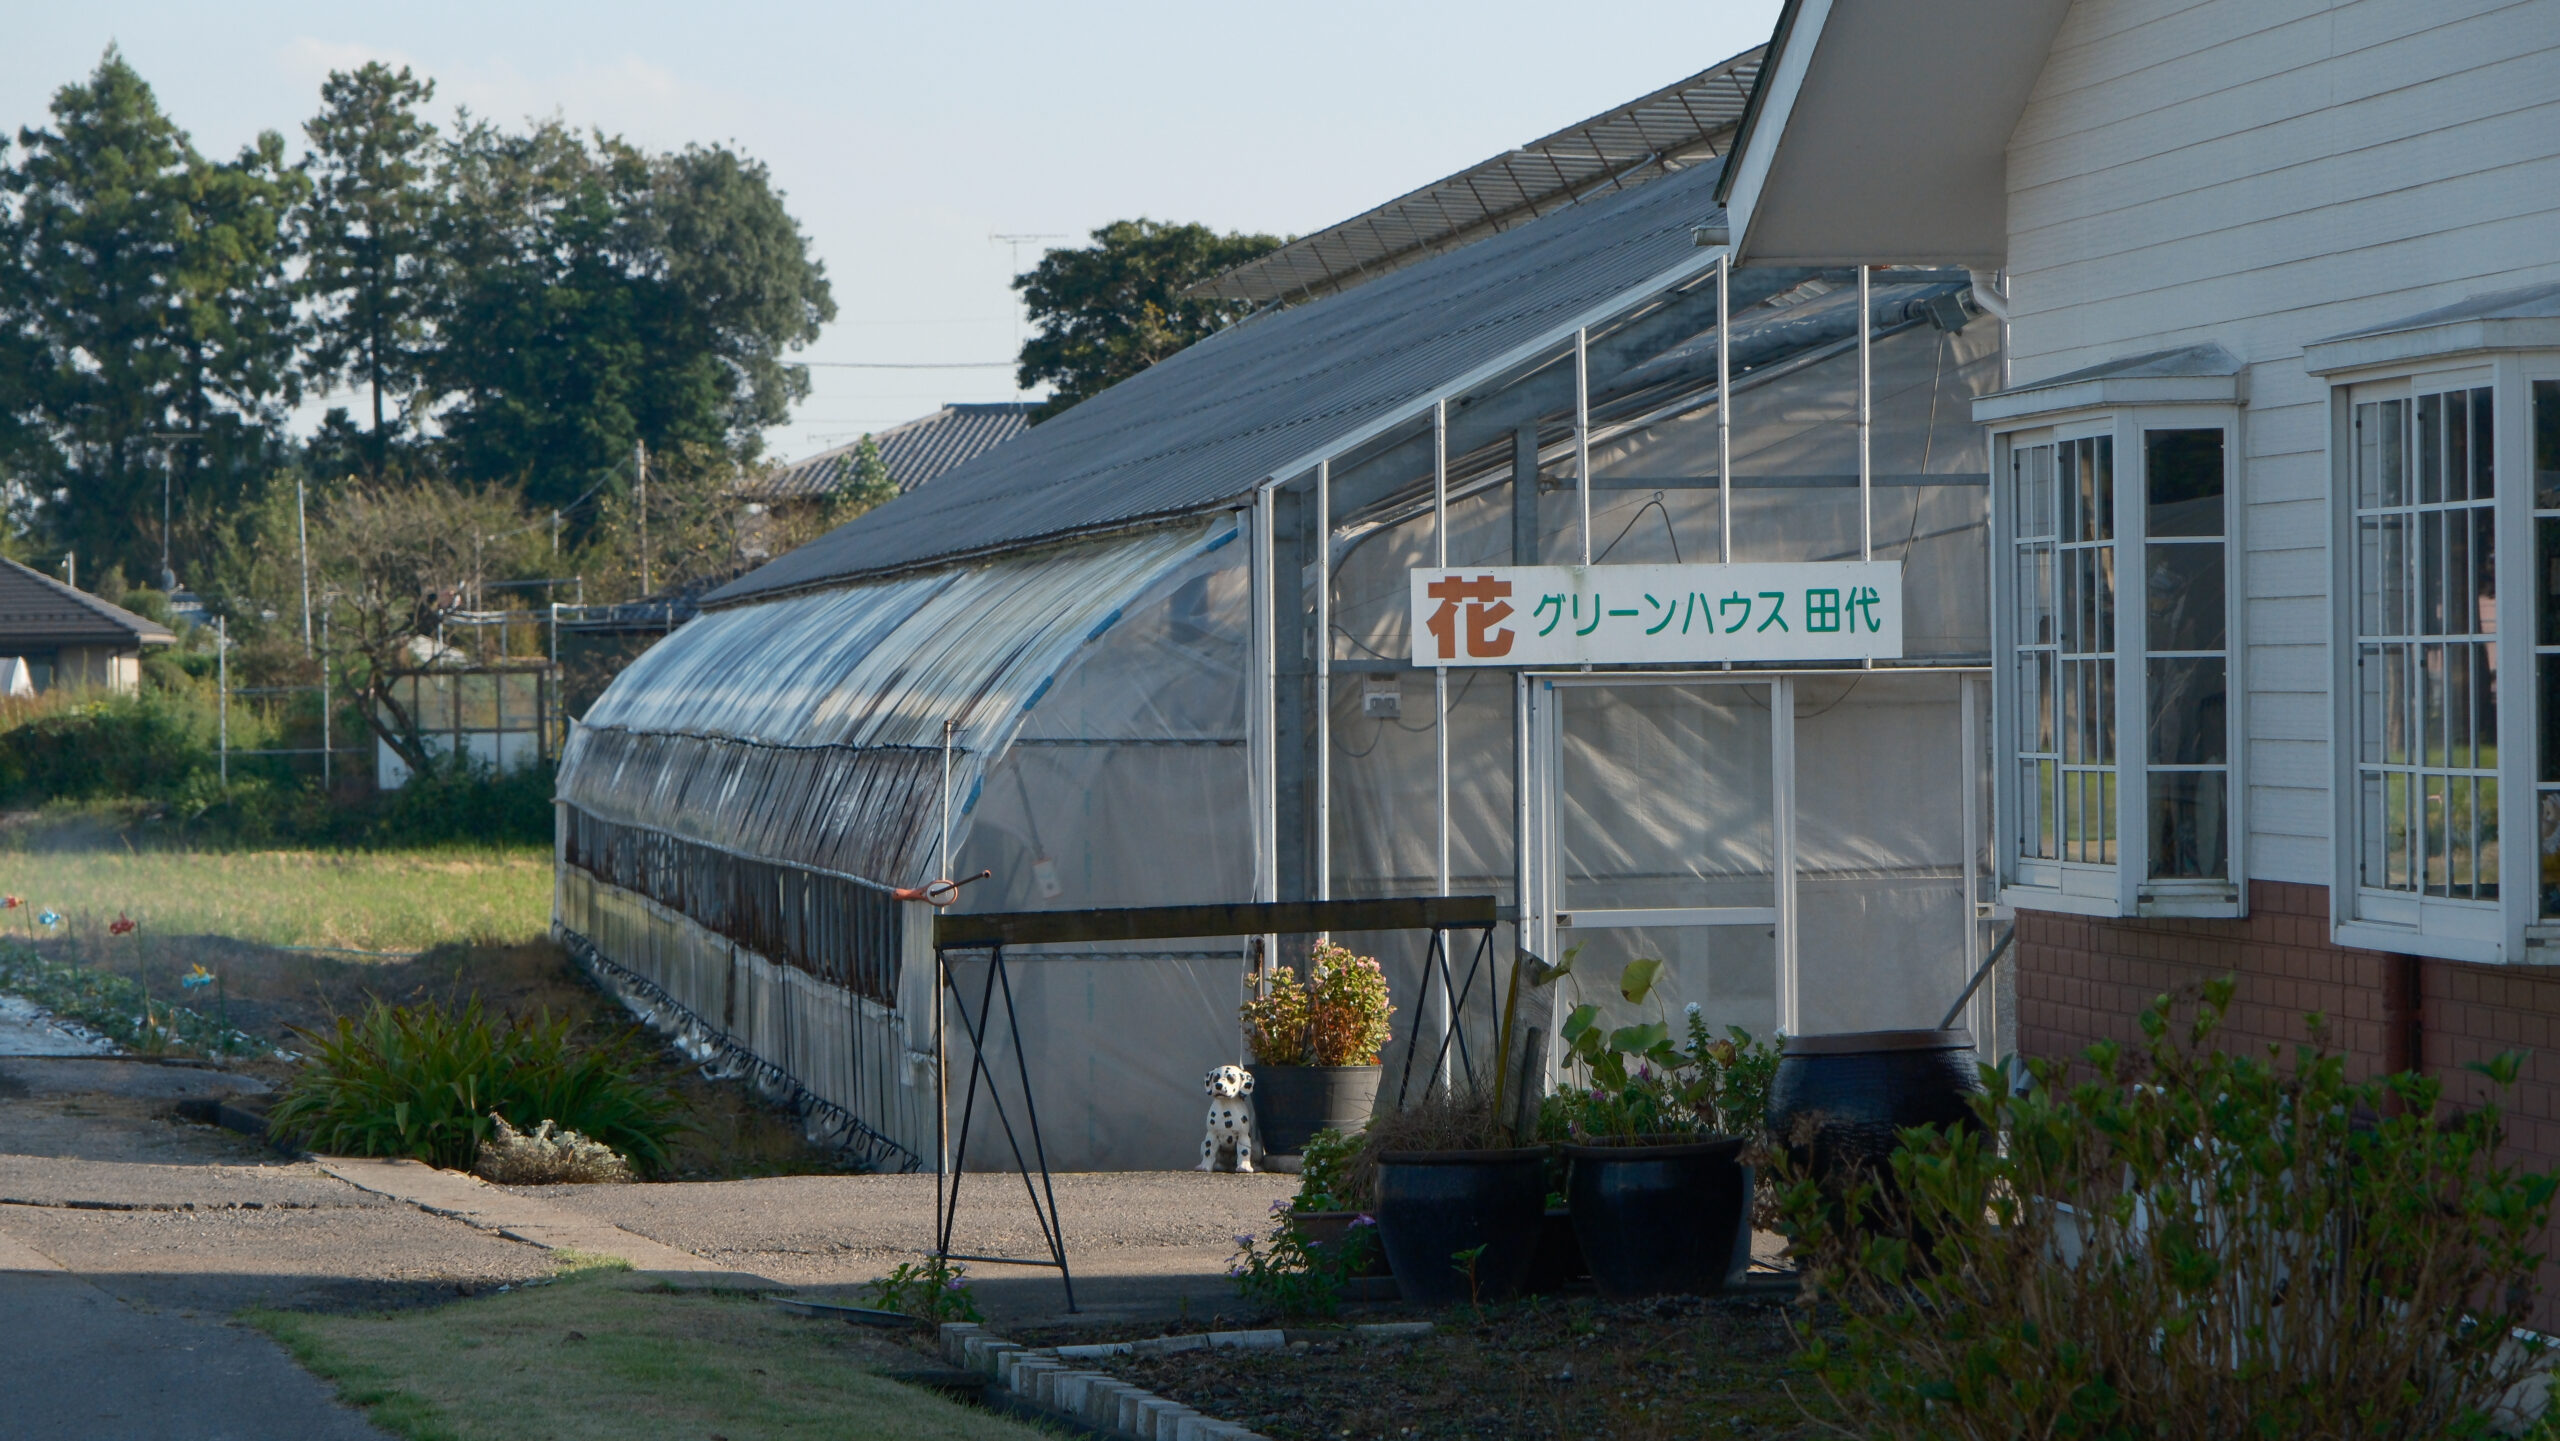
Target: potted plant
[[1336, 1195], [1659, 1191], [1316, 1044], [1459, 1206]]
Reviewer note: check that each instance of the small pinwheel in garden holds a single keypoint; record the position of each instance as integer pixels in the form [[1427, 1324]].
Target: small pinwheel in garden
[[122, 925], [11, 903], [196, 976], [49, 919]]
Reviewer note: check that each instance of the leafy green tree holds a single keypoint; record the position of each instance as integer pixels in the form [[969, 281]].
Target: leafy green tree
[[1112, 309], [867, 485], [602, 296], [143, 285], [365, 235]]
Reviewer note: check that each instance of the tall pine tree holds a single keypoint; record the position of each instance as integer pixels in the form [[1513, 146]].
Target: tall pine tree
[[367, 240]]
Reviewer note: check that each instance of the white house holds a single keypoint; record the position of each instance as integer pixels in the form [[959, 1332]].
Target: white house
[[2281, 280]]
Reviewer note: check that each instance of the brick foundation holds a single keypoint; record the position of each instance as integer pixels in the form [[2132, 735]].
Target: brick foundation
[[2082, 980]]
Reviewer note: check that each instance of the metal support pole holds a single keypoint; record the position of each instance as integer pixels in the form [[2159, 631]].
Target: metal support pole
[[328, 744], [640, 470], [1582, 433], [1324, 682], [1866, 397], [1266, 685], [1724, 405], [1440, 687], [1782, 738], [941, 979], [302, 533], [222, 689]]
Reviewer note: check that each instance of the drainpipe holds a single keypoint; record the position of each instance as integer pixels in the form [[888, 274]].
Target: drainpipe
[[1990, 291]]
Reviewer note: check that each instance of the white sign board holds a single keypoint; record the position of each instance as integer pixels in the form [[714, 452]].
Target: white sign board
[[1565, 615]]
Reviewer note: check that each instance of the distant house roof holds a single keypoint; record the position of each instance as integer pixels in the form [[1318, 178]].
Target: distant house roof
[[1677, 126], [915, 451], [37, 611]]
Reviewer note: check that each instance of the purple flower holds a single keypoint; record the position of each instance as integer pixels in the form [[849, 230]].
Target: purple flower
[[1279, 1207], [1235, 1270], [1245, 1241], [1364, 1219]]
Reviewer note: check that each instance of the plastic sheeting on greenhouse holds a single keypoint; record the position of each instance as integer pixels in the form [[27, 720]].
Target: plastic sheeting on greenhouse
[[794, 749]]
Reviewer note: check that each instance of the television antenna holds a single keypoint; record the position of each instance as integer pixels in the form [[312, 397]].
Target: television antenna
[[1017, 242]]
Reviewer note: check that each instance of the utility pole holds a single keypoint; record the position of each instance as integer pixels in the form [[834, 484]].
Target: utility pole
[[640, 468], [328, 744], [222, 685], [302, 531]]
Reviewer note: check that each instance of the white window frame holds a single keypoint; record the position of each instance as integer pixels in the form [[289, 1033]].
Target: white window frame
[[2484, 931], [2122, 887]]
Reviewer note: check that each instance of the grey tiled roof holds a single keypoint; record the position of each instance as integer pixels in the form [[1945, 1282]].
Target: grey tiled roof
[[915, 451], [37, 611]]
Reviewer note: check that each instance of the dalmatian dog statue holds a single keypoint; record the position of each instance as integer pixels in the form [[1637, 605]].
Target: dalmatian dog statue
[[1230, 1121]]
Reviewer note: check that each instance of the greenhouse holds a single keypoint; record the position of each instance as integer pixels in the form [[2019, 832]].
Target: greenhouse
[[1159, 651]]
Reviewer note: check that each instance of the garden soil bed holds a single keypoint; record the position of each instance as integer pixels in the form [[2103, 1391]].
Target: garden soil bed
[[1551, 1367]]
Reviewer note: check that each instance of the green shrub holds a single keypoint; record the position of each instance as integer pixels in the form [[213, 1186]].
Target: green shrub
[[932, 1289], [2201, 1245], [1293, 1278], [147, 746], [424, 1082]]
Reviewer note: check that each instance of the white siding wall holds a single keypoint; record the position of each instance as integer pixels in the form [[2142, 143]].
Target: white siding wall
[[2263, 173]]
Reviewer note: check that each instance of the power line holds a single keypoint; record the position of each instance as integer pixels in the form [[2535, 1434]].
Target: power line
[[908, 364]]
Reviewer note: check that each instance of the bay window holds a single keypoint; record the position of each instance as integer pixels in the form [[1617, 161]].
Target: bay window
[[2114, 628]]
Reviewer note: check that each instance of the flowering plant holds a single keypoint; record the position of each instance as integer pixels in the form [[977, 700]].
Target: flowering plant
[[1337, 1016]]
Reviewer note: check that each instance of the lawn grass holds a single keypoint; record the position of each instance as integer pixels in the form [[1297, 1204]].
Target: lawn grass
[[599, 1353], [403, 901]]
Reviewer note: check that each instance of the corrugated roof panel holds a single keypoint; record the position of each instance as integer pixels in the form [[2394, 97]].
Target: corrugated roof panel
[[1678, 125], [1207, 425]]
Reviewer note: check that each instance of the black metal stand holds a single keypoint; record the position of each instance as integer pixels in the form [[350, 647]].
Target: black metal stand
[[1436, 963], [993, 931], [1044, 1198]]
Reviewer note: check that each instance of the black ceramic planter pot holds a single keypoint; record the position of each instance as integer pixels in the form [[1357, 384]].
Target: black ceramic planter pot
[[1837, 1101], [1432, 1205], [1291, 1103], [1659, 1218]]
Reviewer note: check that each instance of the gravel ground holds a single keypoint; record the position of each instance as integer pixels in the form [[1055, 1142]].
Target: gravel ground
[[1544, 1368]]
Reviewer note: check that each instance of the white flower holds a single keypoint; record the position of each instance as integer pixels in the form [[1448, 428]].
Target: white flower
[[1693, 1010]]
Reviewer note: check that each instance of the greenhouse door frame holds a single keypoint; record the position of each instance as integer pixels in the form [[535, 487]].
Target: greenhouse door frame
[[1546, 921]]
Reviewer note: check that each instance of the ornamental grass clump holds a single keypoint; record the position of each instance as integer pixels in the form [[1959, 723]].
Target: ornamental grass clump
[[429, 1083], [1337, 1016], [2186, 1244]]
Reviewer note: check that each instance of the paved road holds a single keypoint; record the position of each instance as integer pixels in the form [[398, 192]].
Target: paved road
[[1145, 1243], [83, 1363]]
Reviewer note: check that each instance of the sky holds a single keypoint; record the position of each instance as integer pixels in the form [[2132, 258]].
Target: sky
[[906, 137]]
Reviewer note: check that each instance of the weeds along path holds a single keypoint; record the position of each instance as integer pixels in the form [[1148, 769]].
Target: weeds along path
[[398, 901]]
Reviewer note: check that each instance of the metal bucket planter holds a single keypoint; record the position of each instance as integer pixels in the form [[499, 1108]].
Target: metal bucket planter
[[1291, 1103], [1436, 1206], [1660, 1214]]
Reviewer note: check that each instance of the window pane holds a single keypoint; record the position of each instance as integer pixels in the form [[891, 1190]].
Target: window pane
[[2484, 450], [2105, 465], [2189, 829], [2457, 446], [2369, 704], [2484, 570], [2457, 707], [2459, 877], [2182, 475], [2398, 744], [2190, 715], [2430, 449], [2547, 714], [2550, 854], [2035, 595], [2184, 592], [2484, 702], [2431, 572], [2391, 442], [2546, 444], [2485, 798]]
